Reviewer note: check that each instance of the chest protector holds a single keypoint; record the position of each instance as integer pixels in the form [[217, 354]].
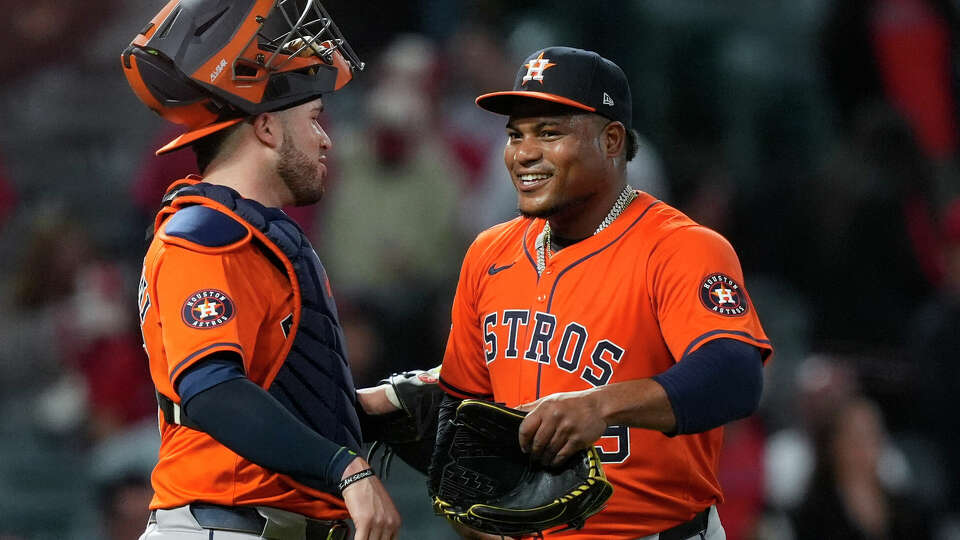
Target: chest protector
[[313, 380]]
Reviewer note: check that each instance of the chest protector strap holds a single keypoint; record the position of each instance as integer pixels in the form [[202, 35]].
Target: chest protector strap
[[312, 379]]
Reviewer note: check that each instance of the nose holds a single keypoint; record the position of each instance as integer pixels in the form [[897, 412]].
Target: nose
[[524, 151], [325, 142]]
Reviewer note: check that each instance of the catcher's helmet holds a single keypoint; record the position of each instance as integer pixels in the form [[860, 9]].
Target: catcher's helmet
[[207, 64]]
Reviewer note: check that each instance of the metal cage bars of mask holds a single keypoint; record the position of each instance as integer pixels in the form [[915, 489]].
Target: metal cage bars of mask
[[309, 34]]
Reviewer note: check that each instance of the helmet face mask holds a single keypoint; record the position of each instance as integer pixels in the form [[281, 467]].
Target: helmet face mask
[[304, 30], [200, 62]]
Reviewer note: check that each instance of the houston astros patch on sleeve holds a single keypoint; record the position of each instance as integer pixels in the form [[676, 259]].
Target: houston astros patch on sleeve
[[207, 308], [722, 295]]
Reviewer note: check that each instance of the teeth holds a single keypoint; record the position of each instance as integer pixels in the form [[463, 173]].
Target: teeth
[[533, 177]]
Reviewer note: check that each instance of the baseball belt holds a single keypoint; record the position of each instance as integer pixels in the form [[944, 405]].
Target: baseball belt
[[173, 414], [688, 529], [247, 520]]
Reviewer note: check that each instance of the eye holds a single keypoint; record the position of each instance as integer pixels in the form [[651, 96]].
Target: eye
[[513, 136], [549, 133]]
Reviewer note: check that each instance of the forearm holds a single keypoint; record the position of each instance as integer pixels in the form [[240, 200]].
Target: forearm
[[640, 403], [246, 419], [716, 384], [374, 400]]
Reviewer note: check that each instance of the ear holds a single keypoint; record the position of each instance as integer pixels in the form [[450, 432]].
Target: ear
[[268, 129], [614, 138]]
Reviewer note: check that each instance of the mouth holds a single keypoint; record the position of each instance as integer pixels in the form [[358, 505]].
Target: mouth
[[532, 181]]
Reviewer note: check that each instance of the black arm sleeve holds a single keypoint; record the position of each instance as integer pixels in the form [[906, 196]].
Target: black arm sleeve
[[718, 383], [246, 419], [441, 450]]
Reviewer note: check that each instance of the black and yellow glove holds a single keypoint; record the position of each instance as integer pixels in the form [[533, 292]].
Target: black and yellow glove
[[484, 480]]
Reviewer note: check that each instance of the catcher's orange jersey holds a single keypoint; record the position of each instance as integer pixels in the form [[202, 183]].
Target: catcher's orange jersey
[[194, 301], [623, 304]]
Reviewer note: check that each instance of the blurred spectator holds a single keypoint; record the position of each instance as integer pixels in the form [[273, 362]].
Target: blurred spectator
[[390, 228], [120, 468], [900, 52], [789, 458], [8, 195], [933, 341], [868, 259], [121, 506], [741, 476], [890, 67], [42, 22], [85, 299], [471, 132], [847, 497]]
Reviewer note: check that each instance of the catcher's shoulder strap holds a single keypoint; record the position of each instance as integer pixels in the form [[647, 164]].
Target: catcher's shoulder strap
[[204, 229], [313, 379]]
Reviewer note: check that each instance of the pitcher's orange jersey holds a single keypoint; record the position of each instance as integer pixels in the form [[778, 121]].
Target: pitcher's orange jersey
[[194, 301], [624, 304]]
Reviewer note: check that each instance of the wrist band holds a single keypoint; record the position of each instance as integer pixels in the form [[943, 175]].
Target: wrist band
[[354, 478]]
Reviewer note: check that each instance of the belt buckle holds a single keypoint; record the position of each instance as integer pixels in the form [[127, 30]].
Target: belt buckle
[[338, 531]]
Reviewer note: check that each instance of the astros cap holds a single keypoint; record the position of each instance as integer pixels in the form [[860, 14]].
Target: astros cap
[[572, 77]]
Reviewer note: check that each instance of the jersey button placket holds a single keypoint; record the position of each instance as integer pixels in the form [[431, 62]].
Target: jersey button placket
[[543, 287]]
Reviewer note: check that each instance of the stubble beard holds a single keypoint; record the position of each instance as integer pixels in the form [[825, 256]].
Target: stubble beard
[[299, 173], [554, 209]]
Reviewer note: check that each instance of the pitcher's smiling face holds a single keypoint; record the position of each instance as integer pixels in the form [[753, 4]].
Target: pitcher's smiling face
[[557, 161]]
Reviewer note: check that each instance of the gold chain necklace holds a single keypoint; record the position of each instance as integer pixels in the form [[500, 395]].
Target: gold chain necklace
[[543, 241]]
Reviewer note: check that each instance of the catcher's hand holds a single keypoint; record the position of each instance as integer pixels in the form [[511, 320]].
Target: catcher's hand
[[410, 431], [486, 482]]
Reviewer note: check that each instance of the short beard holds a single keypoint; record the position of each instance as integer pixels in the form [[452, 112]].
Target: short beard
[[299, 174], [555, 209]]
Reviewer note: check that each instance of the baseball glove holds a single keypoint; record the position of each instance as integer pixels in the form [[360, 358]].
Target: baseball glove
[[411, 431], [485, 481]]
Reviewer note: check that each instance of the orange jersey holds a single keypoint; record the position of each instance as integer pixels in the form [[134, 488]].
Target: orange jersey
[[624, 304], [197, 300]]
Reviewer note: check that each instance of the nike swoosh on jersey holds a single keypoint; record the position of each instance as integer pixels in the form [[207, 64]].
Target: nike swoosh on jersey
[[494, 268]]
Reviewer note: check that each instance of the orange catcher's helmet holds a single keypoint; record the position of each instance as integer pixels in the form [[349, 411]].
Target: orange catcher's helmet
[[208, 64]]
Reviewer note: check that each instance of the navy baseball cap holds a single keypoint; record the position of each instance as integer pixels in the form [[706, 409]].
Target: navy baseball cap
[[572, 77]]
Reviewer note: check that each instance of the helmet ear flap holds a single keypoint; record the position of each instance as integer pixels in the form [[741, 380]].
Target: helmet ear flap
[[166, 84], [167, 91]]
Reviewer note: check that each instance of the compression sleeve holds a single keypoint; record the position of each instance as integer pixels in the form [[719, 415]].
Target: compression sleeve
[[219, 367], [718, 383], [246, 419]]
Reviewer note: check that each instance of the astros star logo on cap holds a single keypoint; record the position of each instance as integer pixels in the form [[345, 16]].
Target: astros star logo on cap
[[535, 69]]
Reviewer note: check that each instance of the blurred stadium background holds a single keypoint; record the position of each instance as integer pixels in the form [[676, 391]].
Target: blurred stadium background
[[820, 137]]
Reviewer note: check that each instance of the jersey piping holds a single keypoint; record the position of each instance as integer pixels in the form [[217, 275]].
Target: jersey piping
[[703, 337], [178, 367], [523, 240], [560, 275]]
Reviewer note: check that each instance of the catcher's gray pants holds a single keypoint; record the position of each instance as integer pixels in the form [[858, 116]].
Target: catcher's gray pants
[[180, 524], [714, 529]]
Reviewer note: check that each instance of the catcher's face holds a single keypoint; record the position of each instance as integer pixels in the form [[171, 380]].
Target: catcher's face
[[303, 152], [560, 168]]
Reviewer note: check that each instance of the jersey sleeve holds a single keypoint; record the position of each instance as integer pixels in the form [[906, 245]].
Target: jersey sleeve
[[464, 372], [698, 293], [206, 303]]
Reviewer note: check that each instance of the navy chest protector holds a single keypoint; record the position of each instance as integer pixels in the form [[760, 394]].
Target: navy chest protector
[[314, 381]]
